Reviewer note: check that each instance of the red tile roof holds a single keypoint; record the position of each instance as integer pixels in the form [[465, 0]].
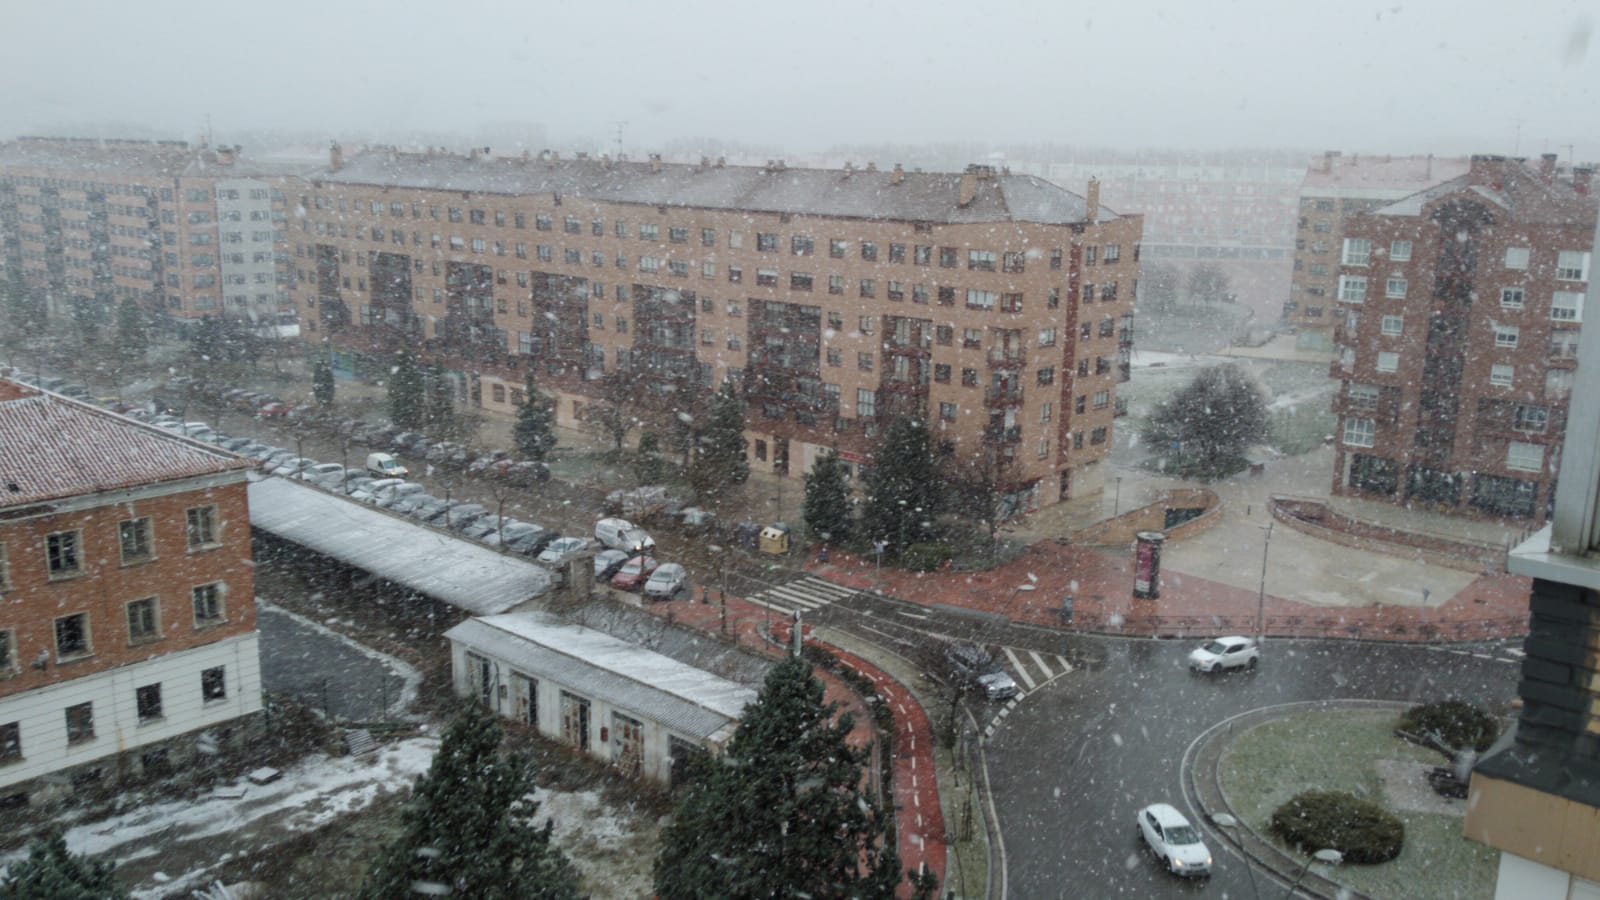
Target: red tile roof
[[52, 448]]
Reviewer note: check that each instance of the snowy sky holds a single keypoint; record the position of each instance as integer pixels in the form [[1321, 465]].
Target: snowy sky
[[1390, 76]]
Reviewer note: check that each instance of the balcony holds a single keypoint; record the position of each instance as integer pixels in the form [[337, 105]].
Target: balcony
[[1014, 359], [1004, 395], [1002, 434]]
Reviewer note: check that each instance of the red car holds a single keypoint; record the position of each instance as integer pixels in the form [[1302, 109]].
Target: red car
[[633, 573], [273, 410]]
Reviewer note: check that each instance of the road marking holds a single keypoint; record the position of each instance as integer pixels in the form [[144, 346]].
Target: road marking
[[1482, 656], [1066, 667], [1043, 666], [911, 615], [1017, 664], [886, 634]]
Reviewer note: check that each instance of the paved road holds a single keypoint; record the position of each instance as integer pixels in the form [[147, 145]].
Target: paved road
[[1075, 759], [324, 670]]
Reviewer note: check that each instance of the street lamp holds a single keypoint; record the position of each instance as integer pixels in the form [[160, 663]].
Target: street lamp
[[1116, 502], [1005, 610], [1331, 857], [1224, 820], [1261, 596]]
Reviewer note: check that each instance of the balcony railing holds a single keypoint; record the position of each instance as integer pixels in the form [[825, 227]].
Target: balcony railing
[[1007, 360], [1002, 396], [1003, 434]]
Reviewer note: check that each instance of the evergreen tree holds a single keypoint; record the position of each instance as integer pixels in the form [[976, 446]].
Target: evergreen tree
[[827, 501], [322, 383], [439, 405], [534, 431], [405, 392], [469, 825], [903, 489], [613, 415], [1204, 429], [87, 317], [784, 812], [719, 461], [52, 873], [133, 333], [977, 495]]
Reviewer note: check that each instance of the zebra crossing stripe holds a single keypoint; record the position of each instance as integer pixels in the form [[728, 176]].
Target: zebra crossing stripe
[[1066, 667], [1043, 666], [1017, 665]]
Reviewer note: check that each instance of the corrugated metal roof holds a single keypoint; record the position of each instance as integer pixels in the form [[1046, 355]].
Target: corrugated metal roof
[[459, 572], [52, 447], [919, 197], [688, 701]]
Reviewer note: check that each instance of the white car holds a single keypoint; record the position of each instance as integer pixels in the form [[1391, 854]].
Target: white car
[[667, 582], [563, 550], [1232, 652], [1174, 841]]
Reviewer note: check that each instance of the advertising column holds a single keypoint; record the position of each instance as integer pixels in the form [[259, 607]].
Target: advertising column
[[1147, 564]]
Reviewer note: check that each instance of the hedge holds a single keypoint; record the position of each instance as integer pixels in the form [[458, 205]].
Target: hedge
[[1455, 722], [1334, 820]]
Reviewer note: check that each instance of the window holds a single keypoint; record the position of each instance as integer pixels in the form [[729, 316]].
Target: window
[[202, 526], [1090, 254], [148, 701], [8, 656], [10, 742], [895, 290], [1047, 337], [207, 604], [1359, 432], [678, 234], [869, 251], [1505, 336], [766, 241], [80, 723], [1047, 376], [947, 296], [680, 268], [1572, 265], [969, 377], [864, 362], [972, 338], [1563, 345], [72, 636], [1362, 394], [1013, 262], [1529, 418], [708, 237], [836, 284], [801, 245], [835, 356], [735, 240], [1011, 303], [1393, 324], [1500, 376], [897, 253], [1395, 288], [980, 299], [800, 281], [767, 277], [947, 412], [1524, 457], [866, 403], [649, 264], [735, 274], [1388, 362], [949, 257], [941, 373], [1353, 288], [837, 248], [1516, 257], [135, 539], [1511, 298], [708, 270], [1399, 251], [1055, 259], [649, 232], [1046, 410], [980, 260], [63, 553], [1097, 435], [944, 335], [867, 323], [143, 624], [213, 684], [1102, 399], [1566, 306], [922, 255], [869, 287], [1357, 251]]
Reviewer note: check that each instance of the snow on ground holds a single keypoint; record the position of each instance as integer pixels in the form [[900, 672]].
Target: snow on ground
[[612, 848]]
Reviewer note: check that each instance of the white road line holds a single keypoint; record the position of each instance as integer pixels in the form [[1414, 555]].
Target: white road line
[[1482, 656], [1043, 666], [1066, 667], [911, 615], [1516, 651], [1017, 664]]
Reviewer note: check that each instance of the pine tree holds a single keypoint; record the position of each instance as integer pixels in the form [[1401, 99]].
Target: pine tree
[[405, 392], [719, 462], [827, 501], [52, 873], [784, 812], [903, 490], [534, 432], [133, 334], [322, 383], [469, 825], [438, 405], [1204, 429]]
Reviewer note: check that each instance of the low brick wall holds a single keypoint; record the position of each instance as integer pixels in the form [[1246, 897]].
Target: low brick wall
[[1119, 532], [1313, 517]]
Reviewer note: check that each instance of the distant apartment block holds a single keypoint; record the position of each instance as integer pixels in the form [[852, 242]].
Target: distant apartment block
[[1458, 314], [127, 600], [184, 231], [1335, 188], [997, 307]]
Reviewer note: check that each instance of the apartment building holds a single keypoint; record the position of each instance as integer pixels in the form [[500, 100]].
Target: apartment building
[[998, 307], [1459, 310], [184, 231], [1336, 187], [127, 601]]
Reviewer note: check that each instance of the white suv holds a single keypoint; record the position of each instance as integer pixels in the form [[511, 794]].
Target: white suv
[[1231, 652]]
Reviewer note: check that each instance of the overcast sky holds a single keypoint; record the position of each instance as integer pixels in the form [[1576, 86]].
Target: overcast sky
[[1398, 76]]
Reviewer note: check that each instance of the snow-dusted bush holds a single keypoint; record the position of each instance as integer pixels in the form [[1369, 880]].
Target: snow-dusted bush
[[1334, 820]]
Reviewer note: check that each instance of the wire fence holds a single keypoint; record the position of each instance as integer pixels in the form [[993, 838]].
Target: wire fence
[[1385, 625]]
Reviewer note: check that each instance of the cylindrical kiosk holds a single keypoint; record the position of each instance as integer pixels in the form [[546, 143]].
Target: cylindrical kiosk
[[1147, 564]]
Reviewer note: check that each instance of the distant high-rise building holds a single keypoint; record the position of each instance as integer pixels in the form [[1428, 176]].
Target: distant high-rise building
[[1458, 312]]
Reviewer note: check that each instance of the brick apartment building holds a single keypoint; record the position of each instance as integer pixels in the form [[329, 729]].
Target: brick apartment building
[[184, 231], [1335, 188], [999, 307], [127, 601], [1459, 309]]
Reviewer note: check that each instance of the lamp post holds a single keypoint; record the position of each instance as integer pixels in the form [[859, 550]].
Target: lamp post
[[1116, 502], [719, 553], [1005, 611], [1224, 820], [1261, 596], [1331, 857]]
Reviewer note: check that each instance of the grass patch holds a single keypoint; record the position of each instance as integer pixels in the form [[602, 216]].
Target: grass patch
[[1301, 429], [1337, 751]]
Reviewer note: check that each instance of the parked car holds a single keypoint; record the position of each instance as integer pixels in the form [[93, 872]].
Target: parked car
[[355, 483], [632, 575], [620, 534], [269, 457], [1174, 841], [273, 410], [434, 513], [439, 452], [390, 496], [482, 528], [607, 562], [464, 514], [402, 442], [418, 448], [562, 550], [526, 538], [667, 582], [971, 666], [410, 503], [384, 465], [325, 475], [235, 444], [292, 466], [1233, 652], [481, 465]]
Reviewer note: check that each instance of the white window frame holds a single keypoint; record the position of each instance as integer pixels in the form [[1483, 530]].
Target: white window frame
[[1501, 375], [1395, 288], [1357, 252], [1392, 326], [1572, 265], [1517, 257], [1522, 456], [1353, 288], [1566, 306], [1506, 337], [1388, 361], [1360, 432], [1399, 251], [1364, 394], [1513, 298]]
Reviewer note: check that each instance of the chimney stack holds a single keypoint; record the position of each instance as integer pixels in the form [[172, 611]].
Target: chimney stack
[[335, 157], [655, 162], [899, 174], [1547, 168], [1328, 156], [1486, 170], [227, 155], [969, 189], [1582, 179], [1091, 198]]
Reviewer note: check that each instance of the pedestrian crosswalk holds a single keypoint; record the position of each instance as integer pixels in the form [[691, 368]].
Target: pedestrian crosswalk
[[1031, 668], [1499, 654], [805, 594]]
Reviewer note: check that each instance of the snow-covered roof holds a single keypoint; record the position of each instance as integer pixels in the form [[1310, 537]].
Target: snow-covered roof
[[459, 572], [123, 159], [689, 701]]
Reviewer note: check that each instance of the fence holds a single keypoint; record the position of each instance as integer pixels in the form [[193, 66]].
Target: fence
[[1387, 624]]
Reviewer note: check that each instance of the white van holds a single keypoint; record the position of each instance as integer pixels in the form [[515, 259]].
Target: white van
[[384, 465], [620, 534]]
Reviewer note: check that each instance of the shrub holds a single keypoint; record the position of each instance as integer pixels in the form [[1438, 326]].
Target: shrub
[[925, 557], [1359, 829], [1455, 722]]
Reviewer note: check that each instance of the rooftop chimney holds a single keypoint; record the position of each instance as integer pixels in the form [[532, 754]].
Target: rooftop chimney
[[1486, 170], [335, 157], [227, 155], [872, 166], [969, 189], [1582, 178], [1547, 168], [1328, 156], [473, 153], [722, 161], [899, 174], [655, 162], [1091, 198]]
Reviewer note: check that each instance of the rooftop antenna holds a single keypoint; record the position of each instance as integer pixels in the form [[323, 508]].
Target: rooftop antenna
[[619, 126]]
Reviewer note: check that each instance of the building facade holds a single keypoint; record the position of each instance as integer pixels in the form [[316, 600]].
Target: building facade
[[1335, 188], [998, 308], [1459, 311], [127, 601], [184, 231]]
